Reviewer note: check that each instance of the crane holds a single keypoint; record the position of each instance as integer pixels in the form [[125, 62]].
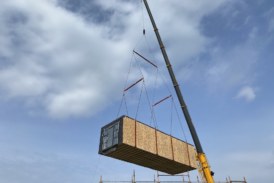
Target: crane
[[205, 170]]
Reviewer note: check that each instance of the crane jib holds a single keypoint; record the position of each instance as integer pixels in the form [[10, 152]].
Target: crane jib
[[206, 173], [175, 84]]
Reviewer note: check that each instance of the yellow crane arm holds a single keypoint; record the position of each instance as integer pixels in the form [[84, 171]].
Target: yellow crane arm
[[205, 170]]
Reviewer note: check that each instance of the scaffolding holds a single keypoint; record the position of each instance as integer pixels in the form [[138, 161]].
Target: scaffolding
[[185, 178]]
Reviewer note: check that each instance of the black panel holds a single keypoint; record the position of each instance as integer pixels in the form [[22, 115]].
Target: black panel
[[111, 135]]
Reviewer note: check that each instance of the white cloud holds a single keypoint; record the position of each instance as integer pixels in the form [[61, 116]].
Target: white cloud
[[21, 82], [247, 93], [231, 68], [66, 63], [71, 67], [75, 102]]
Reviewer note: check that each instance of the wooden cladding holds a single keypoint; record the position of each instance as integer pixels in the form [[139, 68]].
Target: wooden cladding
[[132, 141]]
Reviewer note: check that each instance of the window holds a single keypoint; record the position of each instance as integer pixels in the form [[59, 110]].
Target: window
[[110, 136]]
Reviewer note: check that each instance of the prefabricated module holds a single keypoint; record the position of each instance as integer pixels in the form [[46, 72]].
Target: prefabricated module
[[135, 142]]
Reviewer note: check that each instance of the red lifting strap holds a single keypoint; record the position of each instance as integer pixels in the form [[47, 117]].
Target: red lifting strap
[[154, 65], [161, 100], [133, 84]]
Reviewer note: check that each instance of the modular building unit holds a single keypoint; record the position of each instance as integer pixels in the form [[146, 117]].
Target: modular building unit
[[132, 141]]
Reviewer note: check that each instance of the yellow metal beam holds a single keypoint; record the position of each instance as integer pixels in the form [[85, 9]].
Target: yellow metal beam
[[205, 168]]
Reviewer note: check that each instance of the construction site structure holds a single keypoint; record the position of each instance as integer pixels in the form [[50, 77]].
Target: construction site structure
[[182, 178]]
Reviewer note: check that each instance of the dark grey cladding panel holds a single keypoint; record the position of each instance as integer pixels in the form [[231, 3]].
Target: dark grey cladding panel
[[111, 135]]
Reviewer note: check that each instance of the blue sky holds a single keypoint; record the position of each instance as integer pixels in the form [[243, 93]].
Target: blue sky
[[64, 65]]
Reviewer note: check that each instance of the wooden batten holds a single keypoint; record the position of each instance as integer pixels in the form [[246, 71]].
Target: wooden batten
[[132, 141]]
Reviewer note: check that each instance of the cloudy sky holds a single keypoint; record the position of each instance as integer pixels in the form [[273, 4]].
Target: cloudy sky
[[64, 65]]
